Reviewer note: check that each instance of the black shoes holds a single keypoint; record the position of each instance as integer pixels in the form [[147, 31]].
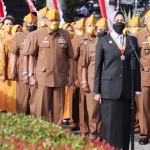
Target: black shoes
[[65, 122], [77, 128], [143, 141]]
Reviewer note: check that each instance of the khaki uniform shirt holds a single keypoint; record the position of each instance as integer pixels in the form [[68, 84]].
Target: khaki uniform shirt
[[52, 54], [89, 63], [144, 48], [79, 50], [27, 44], [16, 49]]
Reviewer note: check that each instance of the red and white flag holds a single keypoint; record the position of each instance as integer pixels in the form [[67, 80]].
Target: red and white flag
[[117, 5], [2, 10], [31, 6], [57, 7]]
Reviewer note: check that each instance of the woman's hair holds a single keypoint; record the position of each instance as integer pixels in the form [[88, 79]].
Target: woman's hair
[[7, 18], [119, 12]]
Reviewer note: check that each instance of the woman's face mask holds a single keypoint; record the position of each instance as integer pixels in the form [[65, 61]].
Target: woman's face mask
[[8, 28], [118, 27]]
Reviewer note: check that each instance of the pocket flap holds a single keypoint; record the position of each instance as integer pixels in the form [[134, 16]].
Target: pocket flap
[[41, 69], [64, 45], [106, 77]]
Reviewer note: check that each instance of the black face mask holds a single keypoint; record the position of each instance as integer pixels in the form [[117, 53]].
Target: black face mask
[[31, 28], [101, 34], [118, 27]]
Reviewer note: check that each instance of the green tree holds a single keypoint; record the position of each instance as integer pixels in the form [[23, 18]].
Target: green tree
[[70, 4], [40, 4]]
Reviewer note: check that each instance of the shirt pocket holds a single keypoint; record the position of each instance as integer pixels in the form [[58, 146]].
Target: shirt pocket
[[82, 50], [62, 49], [145, 50]]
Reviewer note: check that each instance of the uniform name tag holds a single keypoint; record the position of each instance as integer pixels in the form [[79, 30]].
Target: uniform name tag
[[145, 43], [45, 41]]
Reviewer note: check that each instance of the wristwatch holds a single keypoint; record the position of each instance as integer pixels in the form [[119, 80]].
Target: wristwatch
[[31, 74], [24, 73]]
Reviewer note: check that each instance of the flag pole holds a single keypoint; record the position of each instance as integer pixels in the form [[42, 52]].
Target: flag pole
[[103, 8]]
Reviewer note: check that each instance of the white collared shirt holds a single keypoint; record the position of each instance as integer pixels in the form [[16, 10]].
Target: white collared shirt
[[117, 37]]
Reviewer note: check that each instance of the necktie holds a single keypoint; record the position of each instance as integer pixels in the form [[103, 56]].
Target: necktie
[[121, 41]]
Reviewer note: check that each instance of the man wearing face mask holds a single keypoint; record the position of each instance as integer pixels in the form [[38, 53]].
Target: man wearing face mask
[[143, 102], [66, 117], [79, 50], [42, 17], [113, 82], [74, 90], [134, 25], [79, 28], [52, 49], [88, 65], [17, 73]]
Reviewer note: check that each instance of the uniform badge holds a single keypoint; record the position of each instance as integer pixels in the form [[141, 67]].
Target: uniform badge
[[46, 40], [85, 42], [147, 51], [110, 42]]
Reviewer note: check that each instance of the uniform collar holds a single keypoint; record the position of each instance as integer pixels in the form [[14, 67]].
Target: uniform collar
[[117, 35], [147, 32], [26, 32], [86, 37], [58, 31]]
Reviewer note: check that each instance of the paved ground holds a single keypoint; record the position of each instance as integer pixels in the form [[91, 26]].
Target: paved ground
[[136, 144], [140, 147]]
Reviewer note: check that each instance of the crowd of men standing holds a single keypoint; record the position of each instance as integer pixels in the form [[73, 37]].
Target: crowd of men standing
[[47, 70]]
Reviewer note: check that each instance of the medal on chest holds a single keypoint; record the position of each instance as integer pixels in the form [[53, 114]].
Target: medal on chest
[[122, 49], [61, 40]]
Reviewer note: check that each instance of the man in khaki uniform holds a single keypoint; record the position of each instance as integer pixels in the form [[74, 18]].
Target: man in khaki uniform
[[88, 65], [52, 49], [79, 50], [134, 25], [42, 17], [23, 90], [143, 102], [74, 90]]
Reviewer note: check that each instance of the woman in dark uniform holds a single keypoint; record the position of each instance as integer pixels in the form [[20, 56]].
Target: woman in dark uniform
[[112, 83]]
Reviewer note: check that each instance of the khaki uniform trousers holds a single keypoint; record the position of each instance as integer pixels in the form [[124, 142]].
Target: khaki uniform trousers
[[83, 114], [50, 103], [25, 102], [144, 112], [94, 115], [74, 105]]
